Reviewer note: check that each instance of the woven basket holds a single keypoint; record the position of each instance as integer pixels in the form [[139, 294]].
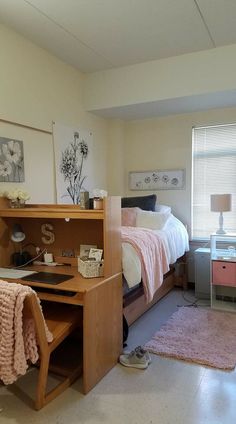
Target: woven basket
[[90, 269]]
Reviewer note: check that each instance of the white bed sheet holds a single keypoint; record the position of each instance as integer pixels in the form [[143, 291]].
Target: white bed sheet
[[176, 239]]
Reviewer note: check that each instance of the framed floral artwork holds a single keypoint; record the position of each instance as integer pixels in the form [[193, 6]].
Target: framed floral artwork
[[172, 179], [73, 150], [11, 160]]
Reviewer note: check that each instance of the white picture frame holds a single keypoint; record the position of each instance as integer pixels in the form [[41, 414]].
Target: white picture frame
[[166, 179], [85, 249]]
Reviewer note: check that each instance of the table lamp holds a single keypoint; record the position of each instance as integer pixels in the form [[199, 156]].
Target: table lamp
[[17, 234], [19, 258], [221, 203]]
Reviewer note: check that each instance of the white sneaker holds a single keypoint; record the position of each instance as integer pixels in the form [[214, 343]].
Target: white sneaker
[[144, 352], [134, 359]]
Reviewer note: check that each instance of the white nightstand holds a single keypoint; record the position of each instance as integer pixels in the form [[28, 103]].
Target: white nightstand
[[223, 272]]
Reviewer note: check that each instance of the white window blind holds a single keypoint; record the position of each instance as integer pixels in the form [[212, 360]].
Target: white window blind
[[213, 172]]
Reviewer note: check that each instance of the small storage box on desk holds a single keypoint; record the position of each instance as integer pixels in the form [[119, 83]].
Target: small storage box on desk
[[91, 265], [89, 268], [223, 272]]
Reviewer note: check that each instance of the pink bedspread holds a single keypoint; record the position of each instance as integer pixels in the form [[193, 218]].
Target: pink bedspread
[[153, 254]]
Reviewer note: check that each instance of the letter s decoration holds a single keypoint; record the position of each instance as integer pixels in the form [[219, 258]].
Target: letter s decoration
[[50, 236]]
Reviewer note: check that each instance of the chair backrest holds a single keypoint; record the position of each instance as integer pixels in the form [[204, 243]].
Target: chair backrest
[[33, 310]]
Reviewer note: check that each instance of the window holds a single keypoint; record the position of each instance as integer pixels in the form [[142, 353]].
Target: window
[[213, 172]]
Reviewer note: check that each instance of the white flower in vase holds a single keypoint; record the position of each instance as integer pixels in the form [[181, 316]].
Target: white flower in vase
[[17, 197]]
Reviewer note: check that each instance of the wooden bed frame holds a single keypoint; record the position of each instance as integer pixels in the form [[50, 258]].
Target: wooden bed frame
[[134, 303]]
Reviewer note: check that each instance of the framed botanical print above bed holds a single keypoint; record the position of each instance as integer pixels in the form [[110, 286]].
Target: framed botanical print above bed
[[171, 179]]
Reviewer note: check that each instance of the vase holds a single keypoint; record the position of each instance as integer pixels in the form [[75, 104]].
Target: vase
[[17, 203]]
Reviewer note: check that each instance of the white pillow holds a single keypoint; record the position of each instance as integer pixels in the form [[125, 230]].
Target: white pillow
[[152, 220], [162, 208]]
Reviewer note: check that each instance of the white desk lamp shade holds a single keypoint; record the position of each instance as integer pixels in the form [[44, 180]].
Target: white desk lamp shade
[[17, 235], [221, 203]]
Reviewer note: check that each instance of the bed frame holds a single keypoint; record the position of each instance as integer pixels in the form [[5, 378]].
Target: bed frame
[[134, 303]]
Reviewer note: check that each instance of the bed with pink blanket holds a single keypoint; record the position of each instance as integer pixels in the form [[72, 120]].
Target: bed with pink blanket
[[149, 255]]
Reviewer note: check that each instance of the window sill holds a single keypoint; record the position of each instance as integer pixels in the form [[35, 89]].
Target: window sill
[[200, 240]]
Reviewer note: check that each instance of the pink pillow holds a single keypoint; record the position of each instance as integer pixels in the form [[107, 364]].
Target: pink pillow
[[128, 217]]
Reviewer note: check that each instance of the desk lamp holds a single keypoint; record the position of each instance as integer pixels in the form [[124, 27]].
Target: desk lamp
[[221, 203], [19, 258], [17, 234]]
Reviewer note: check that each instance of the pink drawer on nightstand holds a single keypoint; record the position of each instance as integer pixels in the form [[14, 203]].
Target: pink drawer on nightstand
[[224, 273]]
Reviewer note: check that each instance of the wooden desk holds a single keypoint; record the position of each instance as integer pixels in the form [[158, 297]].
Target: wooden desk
[[100, 298], [101, 324]]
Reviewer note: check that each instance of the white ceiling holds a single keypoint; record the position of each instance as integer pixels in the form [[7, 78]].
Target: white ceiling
[[94, 35], [100, 34]]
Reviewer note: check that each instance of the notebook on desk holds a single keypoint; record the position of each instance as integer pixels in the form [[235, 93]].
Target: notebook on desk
[[14, 273], [47, 277]]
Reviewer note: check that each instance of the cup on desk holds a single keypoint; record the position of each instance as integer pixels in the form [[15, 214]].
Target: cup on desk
[[48, 257]]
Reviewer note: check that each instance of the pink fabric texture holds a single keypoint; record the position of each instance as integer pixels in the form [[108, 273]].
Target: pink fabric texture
[[198, 335], [18, 341], [128, 217], [153, 254]]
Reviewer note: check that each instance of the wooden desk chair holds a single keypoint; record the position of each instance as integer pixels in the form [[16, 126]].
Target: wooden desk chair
[[61, 321]]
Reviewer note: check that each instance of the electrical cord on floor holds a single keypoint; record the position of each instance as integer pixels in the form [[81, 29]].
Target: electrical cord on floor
[[192, 303]]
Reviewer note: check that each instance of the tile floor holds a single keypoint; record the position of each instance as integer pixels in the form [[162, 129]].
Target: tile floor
[[168, 392]]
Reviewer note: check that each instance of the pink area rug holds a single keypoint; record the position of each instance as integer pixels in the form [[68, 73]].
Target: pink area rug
[[198, 335]]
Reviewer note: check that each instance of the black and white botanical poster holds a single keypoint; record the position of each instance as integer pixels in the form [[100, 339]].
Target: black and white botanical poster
[[73, 149], [168, 179], [11, 160]]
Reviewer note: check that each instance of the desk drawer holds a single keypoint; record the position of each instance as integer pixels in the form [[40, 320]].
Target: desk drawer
[[224, 273]]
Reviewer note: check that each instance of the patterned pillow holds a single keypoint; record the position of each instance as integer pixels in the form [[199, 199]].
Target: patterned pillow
[[128, 217]]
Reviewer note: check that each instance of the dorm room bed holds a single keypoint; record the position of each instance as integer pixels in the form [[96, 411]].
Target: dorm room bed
[[153, 248]]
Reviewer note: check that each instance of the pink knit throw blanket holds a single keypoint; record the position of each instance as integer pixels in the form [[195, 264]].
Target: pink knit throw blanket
[[153, 254], [18, 342]]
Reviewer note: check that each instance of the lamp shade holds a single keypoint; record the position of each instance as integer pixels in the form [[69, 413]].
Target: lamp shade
[[221, 202], [17, 234]]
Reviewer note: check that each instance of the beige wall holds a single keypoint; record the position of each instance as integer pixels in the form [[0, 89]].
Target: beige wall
[[198, 73], [35, 89], [165, 143], [116, 157]]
